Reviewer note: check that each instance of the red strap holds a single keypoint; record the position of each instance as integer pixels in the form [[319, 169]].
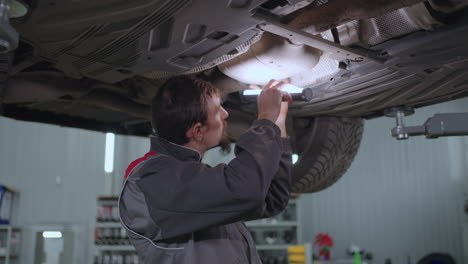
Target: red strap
[[136, 162]]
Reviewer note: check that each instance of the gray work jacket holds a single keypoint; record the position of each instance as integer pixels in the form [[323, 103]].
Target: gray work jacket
[[178, 211]]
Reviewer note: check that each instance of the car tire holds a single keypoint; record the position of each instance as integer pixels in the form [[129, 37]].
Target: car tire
[[326, 147]]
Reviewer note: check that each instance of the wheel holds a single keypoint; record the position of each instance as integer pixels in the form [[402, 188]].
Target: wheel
[[326, 146]]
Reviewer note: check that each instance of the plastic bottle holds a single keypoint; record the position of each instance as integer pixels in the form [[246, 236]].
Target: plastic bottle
[[357, 258]]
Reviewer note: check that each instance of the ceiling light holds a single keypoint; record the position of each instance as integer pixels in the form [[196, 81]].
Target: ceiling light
[[109, 155], [52, 234]]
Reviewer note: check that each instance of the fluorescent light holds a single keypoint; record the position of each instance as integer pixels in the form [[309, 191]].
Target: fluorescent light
[[295, 157], [109, 156], [289, 88], [52, 234]]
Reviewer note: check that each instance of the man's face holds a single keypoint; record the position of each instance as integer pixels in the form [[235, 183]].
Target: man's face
[[215, 126]]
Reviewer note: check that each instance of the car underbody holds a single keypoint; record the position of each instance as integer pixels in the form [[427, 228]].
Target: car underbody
[[98, 69]]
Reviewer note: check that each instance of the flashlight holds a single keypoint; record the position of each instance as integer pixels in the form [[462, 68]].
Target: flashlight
[[297, 94]]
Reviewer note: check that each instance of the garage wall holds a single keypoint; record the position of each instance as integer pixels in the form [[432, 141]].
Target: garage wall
[[399, 198], [127, 149], [59, 172]]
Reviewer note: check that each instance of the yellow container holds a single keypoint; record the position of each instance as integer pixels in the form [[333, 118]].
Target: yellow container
[[297, 250], [297, 258]]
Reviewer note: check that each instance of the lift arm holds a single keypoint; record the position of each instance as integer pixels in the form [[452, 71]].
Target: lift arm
[[440, 125]]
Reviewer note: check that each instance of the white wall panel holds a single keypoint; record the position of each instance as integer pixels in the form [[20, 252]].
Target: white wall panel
[[464, 171], [127, 149], [399, 198], [58, 172]]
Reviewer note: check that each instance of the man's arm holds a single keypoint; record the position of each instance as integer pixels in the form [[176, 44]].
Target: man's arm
[[279, 191], [184, 197]]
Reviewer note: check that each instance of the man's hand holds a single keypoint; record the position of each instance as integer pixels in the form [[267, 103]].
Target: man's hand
[[270, 106], [281, 120]]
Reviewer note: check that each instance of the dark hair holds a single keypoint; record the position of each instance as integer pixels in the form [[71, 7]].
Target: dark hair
[[179, 104]]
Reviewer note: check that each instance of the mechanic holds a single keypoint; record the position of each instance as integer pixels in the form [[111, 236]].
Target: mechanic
[[176, 209]]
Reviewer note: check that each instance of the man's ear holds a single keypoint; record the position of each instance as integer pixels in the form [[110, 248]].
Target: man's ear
[[195, 132]]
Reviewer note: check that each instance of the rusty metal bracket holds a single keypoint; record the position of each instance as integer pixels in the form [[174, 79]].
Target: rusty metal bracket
[[273, 25]]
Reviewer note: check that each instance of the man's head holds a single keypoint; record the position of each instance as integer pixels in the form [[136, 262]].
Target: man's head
[[187, 111]]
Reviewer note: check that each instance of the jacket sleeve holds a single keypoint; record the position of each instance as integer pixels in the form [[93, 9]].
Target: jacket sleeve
[[279, 192], [184, 197]]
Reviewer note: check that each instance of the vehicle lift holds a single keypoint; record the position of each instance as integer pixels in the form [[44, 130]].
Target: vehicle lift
[[440, 125]]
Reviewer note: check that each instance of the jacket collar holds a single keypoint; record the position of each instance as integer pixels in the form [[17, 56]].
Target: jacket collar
[[179, 152]]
